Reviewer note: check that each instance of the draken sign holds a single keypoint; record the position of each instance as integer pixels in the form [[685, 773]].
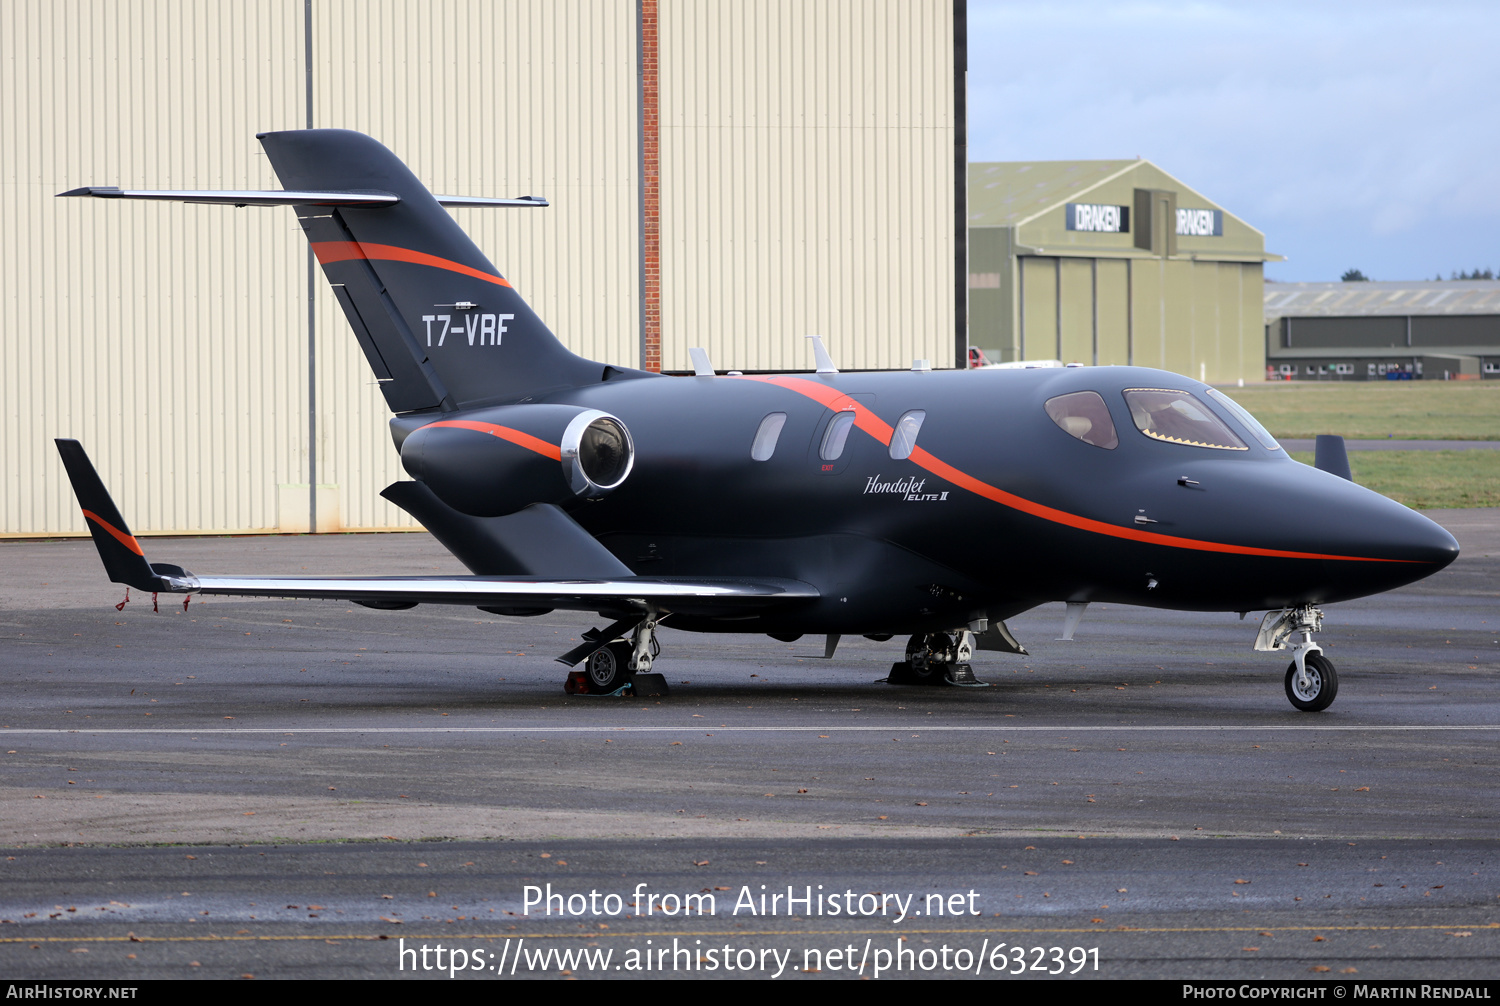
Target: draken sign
[[1200, 223], [1100, 219]]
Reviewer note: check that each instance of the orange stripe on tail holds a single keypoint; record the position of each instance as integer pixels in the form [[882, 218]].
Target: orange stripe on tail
[[128, 540]]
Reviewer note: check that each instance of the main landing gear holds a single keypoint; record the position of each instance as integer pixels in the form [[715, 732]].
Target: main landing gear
[[611, 667], [1311, 682], [937, 658]]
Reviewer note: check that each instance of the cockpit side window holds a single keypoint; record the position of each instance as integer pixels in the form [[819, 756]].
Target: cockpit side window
[[1084, 415], [1178, 418], [1248, 421], [766, 436]]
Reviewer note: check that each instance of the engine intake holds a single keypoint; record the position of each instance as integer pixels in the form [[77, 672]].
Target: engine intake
[[494, 462]]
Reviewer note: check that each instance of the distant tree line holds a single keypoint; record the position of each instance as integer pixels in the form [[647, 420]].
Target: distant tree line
[[1357, 276]]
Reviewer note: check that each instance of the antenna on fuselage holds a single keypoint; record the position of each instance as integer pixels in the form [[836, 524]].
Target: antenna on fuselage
[[702, 365], [820, 355]]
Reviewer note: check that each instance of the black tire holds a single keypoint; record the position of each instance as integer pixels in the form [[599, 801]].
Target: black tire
[[1323, 690], [925, 671], [608, 668]]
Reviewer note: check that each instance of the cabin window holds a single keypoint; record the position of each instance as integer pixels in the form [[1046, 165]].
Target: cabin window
[[904, 438], [767, 435], [1178, 418], [1084, 415], [835, 435], [1248, 421]]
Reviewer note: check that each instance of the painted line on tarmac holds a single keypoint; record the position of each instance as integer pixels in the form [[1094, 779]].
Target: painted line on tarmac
[[930, 728], [744, 933]]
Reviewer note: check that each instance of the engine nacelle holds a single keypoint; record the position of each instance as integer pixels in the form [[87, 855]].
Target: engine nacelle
[[494, 462]]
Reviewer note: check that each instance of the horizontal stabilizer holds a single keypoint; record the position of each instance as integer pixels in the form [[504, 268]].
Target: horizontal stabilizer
[[274, 197], [540, 540]]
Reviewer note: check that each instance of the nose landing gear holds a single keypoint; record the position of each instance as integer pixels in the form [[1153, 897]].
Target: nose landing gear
[[1311, 682]]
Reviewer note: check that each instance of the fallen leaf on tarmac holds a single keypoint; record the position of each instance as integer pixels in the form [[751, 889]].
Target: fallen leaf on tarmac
[[1318, 939], [1319, 967], [700, 862], [921, 804], [1122, 890], [1250, 950], [1362, 789], [675, 744], [1465, 933], [1242, 881], [1349, 971], [1031, 873]]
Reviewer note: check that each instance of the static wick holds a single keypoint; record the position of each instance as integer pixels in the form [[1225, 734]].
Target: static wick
[[154, 608], [121, 605], [185, 600]]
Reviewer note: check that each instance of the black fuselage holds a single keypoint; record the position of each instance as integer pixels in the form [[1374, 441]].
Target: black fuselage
[[997, 511]]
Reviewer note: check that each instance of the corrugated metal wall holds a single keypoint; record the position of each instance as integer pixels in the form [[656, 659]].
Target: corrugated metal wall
[[807, 181], [172, 340], [169, 339]]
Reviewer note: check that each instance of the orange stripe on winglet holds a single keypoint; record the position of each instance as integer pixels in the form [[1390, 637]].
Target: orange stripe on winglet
[[344, 251], [866, 420], [128, 540], [516, 437]]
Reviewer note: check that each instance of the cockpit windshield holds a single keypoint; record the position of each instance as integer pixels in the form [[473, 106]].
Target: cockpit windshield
[[1248, 421], [1178, 418]]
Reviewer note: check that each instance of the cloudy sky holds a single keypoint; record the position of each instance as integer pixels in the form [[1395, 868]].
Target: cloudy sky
[[1354, 135]]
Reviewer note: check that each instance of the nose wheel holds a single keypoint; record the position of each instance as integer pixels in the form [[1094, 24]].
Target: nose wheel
[[1311, 682], [1315, 687]]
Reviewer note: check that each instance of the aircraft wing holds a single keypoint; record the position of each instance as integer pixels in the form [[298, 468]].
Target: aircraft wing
[[712, 595], [125, 562]]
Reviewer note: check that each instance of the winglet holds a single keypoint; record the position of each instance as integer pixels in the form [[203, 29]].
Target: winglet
[[124, 559]]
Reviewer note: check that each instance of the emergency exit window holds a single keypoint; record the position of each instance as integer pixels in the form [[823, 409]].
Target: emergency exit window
[[835, 436]]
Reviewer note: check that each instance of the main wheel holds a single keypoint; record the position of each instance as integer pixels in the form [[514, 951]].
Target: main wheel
[[608, 668], [1322, 684], [927, 654]]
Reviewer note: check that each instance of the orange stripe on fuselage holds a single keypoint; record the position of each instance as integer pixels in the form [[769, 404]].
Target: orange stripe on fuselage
[[872, 424], [343, 251], [516, 437], [128, 540]]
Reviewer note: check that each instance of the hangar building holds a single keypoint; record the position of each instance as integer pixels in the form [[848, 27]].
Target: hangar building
[[1112, 262], [1373, 331], [728, 175]]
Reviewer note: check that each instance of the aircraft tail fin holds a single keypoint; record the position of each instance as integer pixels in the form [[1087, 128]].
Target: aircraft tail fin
[[124, 559], [441, 328]]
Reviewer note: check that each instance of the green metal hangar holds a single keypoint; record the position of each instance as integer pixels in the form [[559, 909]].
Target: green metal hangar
[[1112, 262], [1383, 331]]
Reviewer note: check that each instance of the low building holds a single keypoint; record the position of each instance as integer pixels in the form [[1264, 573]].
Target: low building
[[1373, 331], [1112, 262]]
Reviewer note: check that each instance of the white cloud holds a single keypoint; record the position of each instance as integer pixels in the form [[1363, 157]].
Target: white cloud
[[1343, 131]]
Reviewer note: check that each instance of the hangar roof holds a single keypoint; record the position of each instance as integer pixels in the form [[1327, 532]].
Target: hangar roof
[[1382, 298], [1013, 191]]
